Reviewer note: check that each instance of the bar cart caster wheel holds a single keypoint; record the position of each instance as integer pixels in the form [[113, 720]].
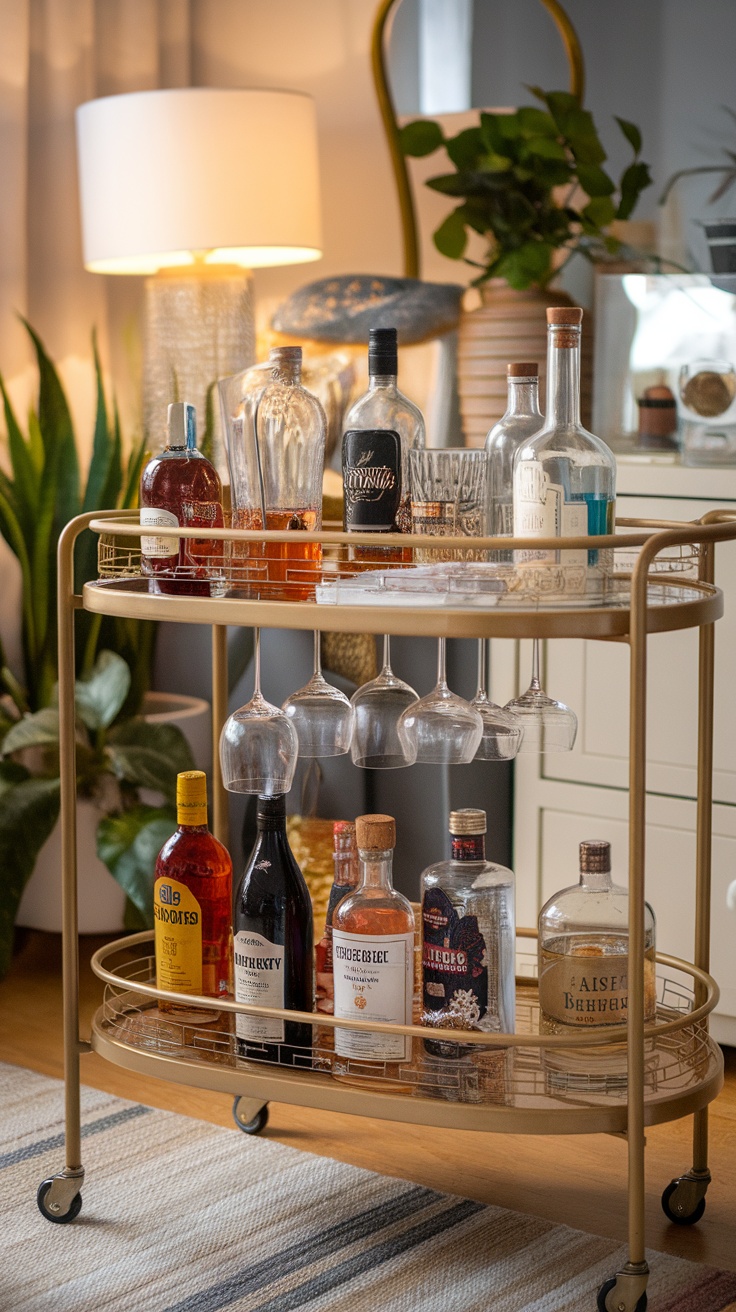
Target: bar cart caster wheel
[[687, 1209], [606, 1288], [51, 1210], [256, 1123]]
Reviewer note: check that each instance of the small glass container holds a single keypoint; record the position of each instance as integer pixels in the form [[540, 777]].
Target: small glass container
[[449, 498]]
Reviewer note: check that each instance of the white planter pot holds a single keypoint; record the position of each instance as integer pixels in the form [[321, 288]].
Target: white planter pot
[[101, 900]]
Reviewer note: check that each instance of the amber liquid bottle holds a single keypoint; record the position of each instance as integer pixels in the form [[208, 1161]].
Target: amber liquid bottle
[[373, 963], [192, 904], [182, 487]]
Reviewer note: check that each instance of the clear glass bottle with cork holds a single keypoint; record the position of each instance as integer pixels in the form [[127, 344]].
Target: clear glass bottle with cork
[[522, 420], [584, 969], [564, 476], [373, 961]]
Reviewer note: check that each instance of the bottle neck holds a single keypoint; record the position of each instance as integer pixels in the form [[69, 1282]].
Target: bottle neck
[[563, 376], [386, 382], [468, 847], [375, 869], [598, 882], [286, 372], [523, 398]]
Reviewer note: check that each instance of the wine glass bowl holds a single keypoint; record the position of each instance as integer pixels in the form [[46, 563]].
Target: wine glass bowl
[[320, 714], [378, 706], [258, 749], [549, 725], [502, 730], [441, 728]]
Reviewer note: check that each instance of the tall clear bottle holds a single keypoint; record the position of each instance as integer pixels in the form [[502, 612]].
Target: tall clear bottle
[[373, 961], [384, 407], [564, 476], [272, 939], [584, 971], [522, 420], [468, 938]]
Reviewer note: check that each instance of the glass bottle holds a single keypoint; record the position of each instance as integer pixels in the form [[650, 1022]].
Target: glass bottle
[[181, 486], [564, 477], [192, 905], [379, 430], [522, 419], [272, 928], [373, 961], [583, 970], [347, 875], [468, 938], [281, 471]]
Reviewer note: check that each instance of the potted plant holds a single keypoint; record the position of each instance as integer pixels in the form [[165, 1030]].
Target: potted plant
[[118, 751], [532, 185]]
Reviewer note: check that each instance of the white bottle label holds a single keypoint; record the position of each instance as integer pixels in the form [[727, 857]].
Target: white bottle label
[[259, 982], [540, 511], [155, 546], [374, 980]]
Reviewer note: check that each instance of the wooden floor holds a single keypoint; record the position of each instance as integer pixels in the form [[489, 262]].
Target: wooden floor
[[580, 1179]]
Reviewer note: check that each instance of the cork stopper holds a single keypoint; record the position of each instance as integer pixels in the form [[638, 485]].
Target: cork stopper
[[191, 797], [595, 857], [525, 369], [571, 315], [468, 821], [375, 833]]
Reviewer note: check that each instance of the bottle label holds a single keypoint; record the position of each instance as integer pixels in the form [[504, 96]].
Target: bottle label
[[259, 982], [154, 516], [177, 919], [454, 961], [371, 471], [585, 991], [374, 980], [541, 511]]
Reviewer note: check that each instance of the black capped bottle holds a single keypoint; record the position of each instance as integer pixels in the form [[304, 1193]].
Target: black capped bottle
[[272, 939]]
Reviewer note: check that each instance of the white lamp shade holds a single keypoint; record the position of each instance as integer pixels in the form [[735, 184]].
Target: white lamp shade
[[231, 175]]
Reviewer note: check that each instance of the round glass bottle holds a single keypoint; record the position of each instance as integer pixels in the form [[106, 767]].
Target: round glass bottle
[[522, 420]]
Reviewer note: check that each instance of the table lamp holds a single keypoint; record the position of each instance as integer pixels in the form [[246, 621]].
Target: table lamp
[[197, 187]]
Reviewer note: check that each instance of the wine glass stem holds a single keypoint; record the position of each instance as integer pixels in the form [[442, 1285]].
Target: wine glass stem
[[481, 668], [536, 685], [317, 655], [441, 661], [257, 661], [386, 654]]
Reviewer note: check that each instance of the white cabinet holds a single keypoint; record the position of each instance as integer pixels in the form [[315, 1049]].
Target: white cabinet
[[563, 798]]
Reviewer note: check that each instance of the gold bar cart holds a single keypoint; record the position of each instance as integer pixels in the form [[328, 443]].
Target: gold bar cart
[[689, 1065]]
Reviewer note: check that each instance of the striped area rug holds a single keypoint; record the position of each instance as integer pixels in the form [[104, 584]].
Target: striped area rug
[[182, 1216]]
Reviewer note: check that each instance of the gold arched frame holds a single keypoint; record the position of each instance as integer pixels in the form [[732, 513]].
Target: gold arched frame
[[381, 29]]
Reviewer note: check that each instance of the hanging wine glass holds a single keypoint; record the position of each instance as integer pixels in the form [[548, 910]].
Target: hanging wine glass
[[258, 744], [377, 705], [441, 728], [549, 725], [502, 730], [321, 715]]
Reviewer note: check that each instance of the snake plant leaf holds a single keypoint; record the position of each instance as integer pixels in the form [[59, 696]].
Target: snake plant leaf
[[149, 755], [28, 813], [57, 431], [128, 845], [101, 446], [100, 696], [41, 729], [26, 480]]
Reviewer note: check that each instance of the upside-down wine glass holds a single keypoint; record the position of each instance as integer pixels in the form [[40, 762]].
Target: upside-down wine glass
[[441, 728], [549, 725], [376, 744], [321, 715], [258, 744], [502, 730]]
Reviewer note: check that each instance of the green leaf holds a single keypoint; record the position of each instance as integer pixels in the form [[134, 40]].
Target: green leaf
[[100, 696], [420, 137], [137, 459], [12, 773], [466, 147], [128, 845], [600, 211], [595, 181], [631, 132], [57, 431], [535, 123], [149, 755], [494, 163], [546, 148], [35, 441], [451, 237], [13, 687], [99, 464], [528, 266], [25, 474], [635, 178], [40, 729], [28, 813]]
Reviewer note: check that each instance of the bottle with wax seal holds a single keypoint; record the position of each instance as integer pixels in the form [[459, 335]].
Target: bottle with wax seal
[[522, 419], [564, 476], [192, 906], [373, 962], [468, 939], [181, 487], [272, 929]]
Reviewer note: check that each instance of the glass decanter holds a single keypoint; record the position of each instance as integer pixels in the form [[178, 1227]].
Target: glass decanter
[[522, 420]]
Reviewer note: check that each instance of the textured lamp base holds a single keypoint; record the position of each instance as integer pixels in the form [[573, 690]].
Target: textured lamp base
[[199, 327]]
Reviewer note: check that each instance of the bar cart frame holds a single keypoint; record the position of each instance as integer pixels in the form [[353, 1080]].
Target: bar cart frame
[[59, 1198]]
